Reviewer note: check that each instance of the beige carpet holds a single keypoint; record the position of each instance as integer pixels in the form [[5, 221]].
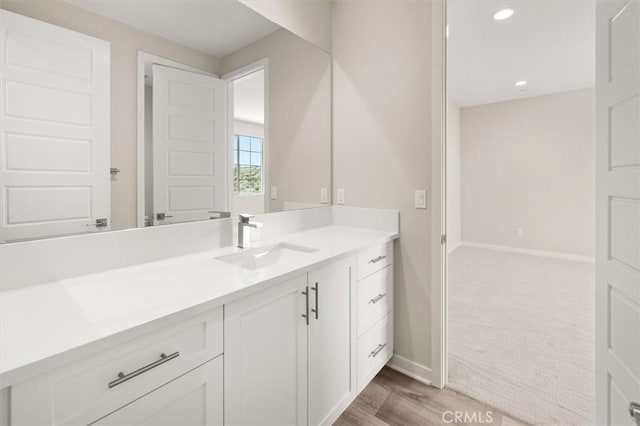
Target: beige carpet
[[521, 334]]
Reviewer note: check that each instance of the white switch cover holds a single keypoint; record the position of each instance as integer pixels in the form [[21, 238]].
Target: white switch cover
[[519, 232], [420, 199], [274, 193], [340, 196], [324, 195]]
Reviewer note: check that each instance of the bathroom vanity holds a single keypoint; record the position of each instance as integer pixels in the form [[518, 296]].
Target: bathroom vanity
[[286, 332]]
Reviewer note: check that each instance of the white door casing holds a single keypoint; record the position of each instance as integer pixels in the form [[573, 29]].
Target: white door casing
[[618, 210], [189, 145], [54, 130]]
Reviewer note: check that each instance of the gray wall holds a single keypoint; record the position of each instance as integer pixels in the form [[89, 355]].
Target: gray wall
[[453, 177], [299, 122], [530, 164], [382, 142]]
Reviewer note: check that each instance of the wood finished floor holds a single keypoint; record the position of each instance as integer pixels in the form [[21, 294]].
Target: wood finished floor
[[394, 399]]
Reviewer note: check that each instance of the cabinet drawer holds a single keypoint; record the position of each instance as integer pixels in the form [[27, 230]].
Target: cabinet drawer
[[373, 259], [91, 388], [375, 298], [375, 348], [194, 399]]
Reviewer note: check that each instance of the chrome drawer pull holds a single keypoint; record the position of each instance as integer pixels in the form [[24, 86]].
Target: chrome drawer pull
[[317, 290], [377, 298], [124, 377], [377, 259], [377, 350]]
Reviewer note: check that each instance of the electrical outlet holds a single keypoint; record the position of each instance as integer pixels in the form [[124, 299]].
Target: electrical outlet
[[324, 196], [420, 198], [519, 232], [340, 196], [274, 193]]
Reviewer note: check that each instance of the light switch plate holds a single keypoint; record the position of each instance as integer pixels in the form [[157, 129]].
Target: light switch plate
[[324, 195], [274, 193], [340, 196], [420, 199]]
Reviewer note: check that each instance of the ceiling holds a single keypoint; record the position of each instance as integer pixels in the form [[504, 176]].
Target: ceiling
[[216, 27], [248, 98], [548, 43]]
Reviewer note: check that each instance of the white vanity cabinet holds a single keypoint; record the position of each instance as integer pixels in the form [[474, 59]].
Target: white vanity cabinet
[[266, 356], [374, 290], [288, 351], [160, 366]]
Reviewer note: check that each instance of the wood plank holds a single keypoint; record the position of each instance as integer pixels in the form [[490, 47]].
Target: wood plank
[[395, 399]]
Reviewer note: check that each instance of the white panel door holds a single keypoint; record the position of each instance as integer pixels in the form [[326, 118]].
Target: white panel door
[[332, 386], [618, 211], [189, 145], [54, 130], [266, 357], [193, 399]]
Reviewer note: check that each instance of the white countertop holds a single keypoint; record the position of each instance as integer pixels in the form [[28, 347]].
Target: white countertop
[[41, 323]]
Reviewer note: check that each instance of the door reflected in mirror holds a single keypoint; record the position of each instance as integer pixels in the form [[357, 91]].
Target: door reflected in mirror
[[233, 116]]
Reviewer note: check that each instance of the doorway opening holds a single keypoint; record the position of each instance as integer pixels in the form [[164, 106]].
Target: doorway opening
[[247, 91], [521, 207]]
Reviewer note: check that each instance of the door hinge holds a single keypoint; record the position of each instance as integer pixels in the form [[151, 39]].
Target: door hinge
[[443, 239]]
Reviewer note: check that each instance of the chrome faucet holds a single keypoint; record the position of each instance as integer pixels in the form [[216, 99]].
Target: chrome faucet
[[244, 241]]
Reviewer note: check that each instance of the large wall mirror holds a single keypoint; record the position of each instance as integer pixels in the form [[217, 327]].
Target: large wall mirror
[[132, 114]]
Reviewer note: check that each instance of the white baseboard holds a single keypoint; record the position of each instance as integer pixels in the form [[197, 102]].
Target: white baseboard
[[542, 253], [412, 369]]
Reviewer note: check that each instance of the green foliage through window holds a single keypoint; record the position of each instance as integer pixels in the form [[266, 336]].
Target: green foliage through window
[[247, 164]]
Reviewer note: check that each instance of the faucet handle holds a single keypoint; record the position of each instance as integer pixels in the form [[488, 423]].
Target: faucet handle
[[245, 217]]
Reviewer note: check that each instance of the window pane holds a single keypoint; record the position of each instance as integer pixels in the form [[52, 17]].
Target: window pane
[[245, 158], [245, 143], [256, 159], [256, 144], [235, 156]]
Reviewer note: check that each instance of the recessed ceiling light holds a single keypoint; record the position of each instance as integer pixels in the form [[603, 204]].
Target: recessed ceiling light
[[521, 83], [503, 14]]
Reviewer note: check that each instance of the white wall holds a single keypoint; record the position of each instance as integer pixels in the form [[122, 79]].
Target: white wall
[[529, 164], [453, 177], [125, 43], [310, 19], [299, 114], [383, 141]]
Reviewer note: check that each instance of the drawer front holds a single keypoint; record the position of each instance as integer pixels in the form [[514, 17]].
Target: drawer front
[[373, 259], [375, 348], [375, 298], [194, 399], [89, 389]]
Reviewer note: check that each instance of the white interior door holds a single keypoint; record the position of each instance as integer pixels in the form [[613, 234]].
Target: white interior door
[[618, 214], [189, 145], [54, 130]]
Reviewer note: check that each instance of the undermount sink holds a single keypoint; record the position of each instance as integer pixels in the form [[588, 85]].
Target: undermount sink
[[262, 257]]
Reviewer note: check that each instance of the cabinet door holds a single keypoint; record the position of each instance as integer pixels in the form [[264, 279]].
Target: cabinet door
[[266, 357], [194, 399], [331, 337]]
